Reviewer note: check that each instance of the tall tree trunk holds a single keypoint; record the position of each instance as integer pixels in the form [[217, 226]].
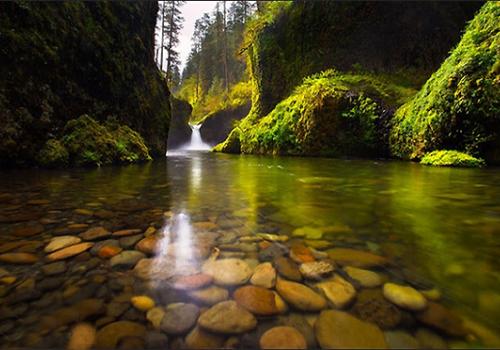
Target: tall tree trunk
[[226, 82], [170, 39], [162, 34]]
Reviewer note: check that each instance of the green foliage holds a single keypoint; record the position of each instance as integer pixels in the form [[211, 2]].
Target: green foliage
[[459, 106], [451, 159], [91, 143], [328, 114], [53, 154]]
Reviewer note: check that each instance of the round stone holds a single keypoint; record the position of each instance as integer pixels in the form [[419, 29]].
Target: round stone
[[107, 252], [228, 272], [400, 340], [179, 318], [257, 300], [316, 270], [371, 306], [301, 254], [18, 258], [340, 292], [142, 302], [191, 282], [288, 269], [70, 251], [60, 242], [366, 278], [227, 317], [357, 258], [199, 338], [210, 295], [95, 233], [109, 336], [82, 337], [54, 268], [404, 296], [155, 315], [282, 337], [439, 317], [128, 232], [147, 245], [300, 296], [264, 276], [127, 258], [339, 330]]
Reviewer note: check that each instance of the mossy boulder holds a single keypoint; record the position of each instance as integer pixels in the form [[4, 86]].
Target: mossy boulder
[[53, 154], [329, 114], [216, 126], [91, 143], [459, 106], [232, 143], [451, 159]]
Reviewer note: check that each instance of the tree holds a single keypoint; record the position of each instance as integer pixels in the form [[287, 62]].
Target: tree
[[171, 24]]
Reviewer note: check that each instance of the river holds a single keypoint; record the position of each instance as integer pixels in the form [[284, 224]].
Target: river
[[438, 227]]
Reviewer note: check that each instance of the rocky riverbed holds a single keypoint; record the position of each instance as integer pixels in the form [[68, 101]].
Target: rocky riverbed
[[88, 261]]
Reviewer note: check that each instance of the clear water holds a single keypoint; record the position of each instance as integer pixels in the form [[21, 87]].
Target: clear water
[[438, 225], [196, 143]]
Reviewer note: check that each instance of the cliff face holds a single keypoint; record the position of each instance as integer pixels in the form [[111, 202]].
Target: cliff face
[[180, 132], [458, 108], [61, 60], [307, 37]]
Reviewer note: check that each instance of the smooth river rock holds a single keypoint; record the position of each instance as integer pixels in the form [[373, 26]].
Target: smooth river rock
[[316, 270], [210, 295], [95, 233], [109, 336], [257, 300], [366, 278], [288, 269], [191, 282], [18, 258], [155, 315], [142, 302], [228, 272], [227, 317], [264, 276], [282, 337], [60, 242], [126, 258], [179, 318], [300, 296], [356, 258], [199, 338], [340, 292], [339, 330], [82, 337], [405, 297], [439, 317], [70, 251]]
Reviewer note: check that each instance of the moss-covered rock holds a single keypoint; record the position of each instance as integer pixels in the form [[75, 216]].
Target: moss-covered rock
[[91, 143], [53, 154], [60, 60], [459, 106], [330, 114], [290, 40], [216, 126], [451, 159], [232, 143]]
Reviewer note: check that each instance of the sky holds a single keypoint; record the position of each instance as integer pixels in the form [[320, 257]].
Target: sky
[[191, 11]]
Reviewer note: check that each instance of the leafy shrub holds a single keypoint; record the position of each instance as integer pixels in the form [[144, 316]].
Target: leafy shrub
[[451, 159]]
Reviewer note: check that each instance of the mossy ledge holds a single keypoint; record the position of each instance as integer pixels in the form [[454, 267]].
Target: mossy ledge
[[451, 159], [89, 143], [459, 106], [62, 60]]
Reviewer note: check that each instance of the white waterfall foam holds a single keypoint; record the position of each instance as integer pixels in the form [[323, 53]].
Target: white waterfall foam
[[196, 143]]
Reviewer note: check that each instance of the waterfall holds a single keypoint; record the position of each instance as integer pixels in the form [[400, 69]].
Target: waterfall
[[196, 143]]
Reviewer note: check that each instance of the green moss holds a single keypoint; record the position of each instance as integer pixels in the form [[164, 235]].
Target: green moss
[[91, 143], [459, 106], [329, 114], [53, 154], [451, 159]]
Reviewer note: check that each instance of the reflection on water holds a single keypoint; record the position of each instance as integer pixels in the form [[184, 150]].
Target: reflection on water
[[440, 228]]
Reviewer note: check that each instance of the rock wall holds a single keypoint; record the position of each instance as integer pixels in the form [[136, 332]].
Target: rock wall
[[61, 60]]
